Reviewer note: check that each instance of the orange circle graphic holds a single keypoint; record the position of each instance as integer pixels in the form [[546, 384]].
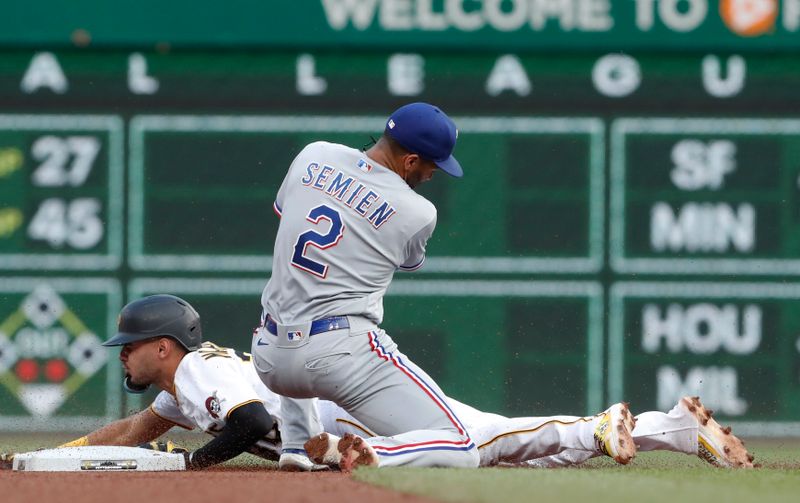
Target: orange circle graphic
[[749, 18]]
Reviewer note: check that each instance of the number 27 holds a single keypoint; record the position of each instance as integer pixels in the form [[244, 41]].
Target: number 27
[[321, 241]]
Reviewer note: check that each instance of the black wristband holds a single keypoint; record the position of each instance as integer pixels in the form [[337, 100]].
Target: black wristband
[[187, 458]]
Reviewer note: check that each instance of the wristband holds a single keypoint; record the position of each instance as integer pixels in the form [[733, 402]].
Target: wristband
[[80, 442]]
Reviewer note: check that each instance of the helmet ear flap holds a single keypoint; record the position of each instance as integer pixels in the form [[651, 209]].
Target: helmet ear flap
[[133, 388]]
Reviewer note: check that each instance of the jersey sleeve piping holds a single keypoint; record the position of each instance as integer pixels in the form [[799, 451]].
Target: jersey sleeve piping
[[228, 415], [277, 209], [412, 267], [153, 410]]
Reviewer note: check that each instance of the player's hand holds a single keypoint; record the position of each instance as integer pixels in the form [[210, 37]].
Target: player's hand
[[162, 446], [6, 460]]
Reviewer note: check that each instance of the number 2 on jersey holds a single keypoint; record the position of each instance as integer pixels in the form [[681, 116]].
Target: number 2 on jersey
[[321, 241]]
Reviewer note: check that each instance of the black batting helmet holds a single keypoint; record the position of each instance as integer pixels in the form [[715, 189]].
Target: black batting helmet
[[158, 316]]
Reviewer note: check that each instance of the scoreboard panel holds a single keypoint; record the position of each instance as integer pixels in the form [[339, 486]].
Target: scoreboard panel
[[61, 187], [213, 176], [587, 173], [705, 196], [737, 345], [331, 81], [482, 355], [54, 373]]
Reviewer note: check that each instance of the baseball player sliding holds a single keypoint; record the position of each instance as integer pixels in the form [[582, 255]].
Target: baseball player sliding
[[217, 389], [558, 441], [162, 345]]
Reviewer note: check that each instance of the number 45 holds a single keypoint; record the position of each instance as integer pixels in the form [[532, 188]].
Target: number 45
[[75, 223]]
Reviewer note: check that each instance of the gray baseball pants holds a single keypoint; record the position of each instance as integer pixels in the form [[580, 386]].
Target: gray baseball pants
[[361, 369]]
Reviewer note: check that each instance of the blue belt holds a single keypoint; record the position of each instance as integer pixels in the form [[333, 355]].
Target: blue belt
[[317, 326]]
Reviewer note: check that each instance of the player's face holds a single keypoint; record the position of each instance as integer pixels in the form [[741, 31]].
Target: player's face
[[418, 170], [140, 360]]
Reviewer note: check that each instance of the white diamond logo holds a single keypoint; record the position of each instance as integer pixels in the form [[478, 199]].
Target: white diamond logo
[[87, 354], [42, 399], [43, 306]]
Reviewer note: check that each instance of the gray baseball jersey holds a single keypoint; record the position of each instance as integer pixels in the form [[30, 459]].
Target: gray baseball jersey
[[346, 225]]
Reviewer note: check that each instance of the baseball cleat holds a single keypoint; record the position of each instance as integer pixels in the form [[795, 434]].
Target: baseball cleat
[[715, 444], [294, 462], [323, 449], [355, 452], [613, 434]]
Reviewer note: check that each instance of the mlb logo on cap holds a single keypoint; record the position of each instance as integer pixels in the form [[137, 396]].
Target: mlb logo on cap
[[424, 129]]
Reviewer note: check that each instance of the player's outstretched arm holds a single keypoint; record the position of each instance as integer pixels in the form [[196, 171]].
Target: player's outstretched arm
[[141, 427], [246, 425]]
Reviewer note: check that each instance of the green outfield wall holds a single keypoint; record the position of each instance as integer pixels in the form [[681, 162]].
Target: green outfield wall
[[627, 227]]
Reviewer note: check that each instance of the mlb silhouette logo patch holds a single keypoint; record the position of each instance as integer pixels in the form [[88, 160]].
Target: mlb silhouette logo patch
[[293, 336], [364, 166]]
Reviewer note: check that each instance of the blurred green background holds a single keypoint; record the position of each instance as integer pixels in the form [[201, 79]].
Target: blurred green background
[[626, 229]]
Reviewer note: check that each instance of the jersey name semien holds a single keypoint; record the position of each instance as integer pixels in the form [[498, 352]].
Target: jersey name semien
[[350, 190], [347, 224]]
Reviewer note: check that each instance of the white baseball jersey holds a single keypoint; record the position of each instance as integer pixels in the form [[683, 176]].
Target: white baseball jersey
[[210, 383], [213, 381], [347, 224]]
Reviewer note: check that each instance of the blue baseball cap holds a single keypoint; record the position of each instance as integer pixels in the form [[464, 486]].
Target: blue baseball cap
[[425, 130]]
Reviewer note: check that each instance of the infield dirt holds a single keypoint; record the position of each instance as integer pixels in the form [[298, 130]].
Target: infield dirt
[[220, 485]]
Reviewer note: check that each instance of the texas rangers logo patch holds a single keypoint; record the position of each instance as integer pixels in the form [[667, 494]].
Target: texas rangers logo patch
[[294, 336], [213, 405], [364, 166]]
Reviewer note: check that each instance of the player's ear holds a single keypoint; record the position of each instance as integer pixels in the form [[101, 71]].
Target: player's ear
[[164, 347], [410, 162]]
